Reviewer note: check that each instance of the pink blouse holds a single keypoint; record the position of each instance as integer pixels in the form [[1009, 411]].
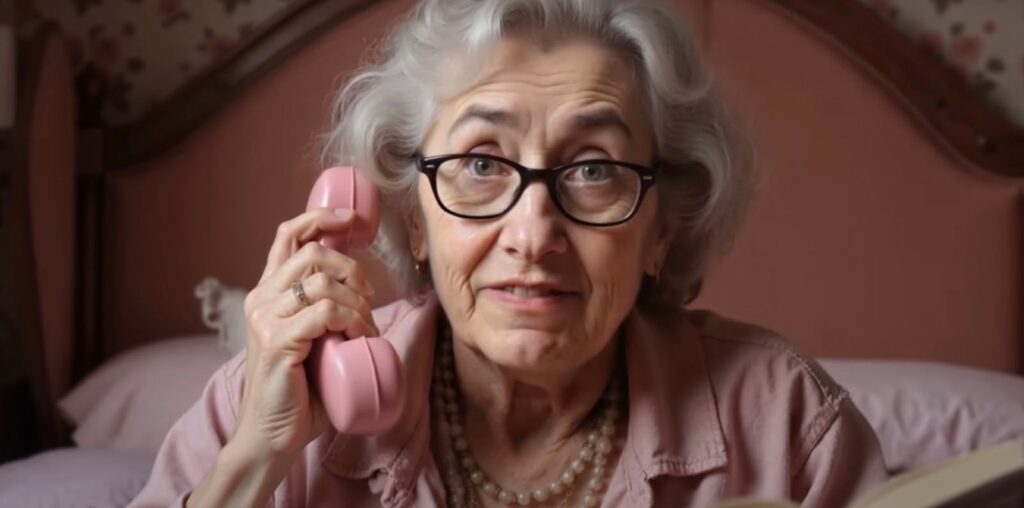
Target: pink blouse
[[717, 409]]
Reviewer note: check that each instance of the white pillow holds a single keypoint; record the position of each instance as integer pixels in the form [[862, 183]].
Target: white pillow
[[223, 310], [130, 402], [925, 412]]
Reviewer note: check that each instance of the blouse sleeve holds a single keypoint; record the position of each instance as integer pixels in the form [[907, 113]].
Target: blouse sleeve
[[193, 443], [844, 465]]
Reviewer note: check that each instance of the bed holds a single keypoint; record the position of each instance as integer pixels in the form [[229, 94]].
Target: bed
[[887, 238]]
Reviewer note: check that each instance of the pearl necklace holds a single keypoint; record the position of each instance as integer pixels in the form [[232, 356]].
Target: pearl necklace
[[595, 450]]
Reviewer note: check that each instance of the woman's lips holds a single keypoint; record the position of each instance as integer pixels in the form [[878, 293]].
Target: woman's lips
[[530, 299]]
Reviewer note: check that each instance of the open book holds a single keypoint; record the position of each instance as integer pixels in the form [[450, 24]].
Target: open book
[[992, 477]]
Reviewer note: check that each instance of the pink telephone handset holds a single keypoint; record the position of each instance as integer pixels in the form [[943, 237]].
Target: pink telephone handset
[[359, 380]]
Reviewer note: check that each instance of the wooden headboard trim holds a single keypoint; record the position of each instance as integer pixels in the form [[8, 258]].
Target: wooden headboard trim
[[936, 94], [18, 220], [209, 91]]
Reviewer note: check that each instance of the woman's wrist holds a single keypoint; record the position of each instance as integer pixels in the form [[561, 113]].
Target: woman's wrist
[[244, 475]]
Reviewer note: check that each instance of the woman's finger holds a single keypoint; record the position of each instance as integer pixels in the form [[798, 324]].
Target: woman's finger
[[320, 286], [294, 233], [313, 258], [316, 320]]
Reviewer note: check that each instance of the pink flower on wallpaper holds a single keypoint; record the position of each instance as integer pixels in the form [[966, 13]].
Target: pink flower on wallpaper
[[966, 50], [932, 41], [217, 45], [106, 52], [172, 12]]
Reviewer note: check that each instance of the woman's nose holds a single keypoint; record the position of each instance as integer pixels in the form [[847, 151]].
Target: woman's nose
[[533, 228]]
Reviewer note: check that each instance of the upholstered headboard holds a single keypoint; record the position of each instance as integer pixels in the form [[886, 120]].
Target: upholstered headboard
[[888, 222]]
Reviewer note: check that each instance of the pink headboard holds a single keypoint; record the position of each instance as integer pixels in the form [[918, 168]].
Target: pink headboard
[[867, 238]]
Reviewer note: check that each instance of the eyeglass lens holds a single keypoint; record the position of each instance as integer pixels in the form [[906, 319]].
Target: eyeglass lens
[[593, 192]]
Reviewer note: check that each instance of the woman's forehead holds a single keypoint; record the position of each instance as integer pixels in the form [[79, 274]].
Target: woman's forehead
[[561, 78]]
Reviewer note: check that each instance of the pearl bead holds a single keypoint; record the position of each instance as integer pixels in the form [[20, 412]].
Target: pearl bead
[[490, 489], [540, 495], [555, 488], [460, 444], [604, 445], [505, 497], [456, 429], [568, 477], [599, 471], [593, 436], [476, 477], [595, 483], [468, 463], [607, 428], [523, 499], [586, 453], [589, 500], [577, 466], [600, 460]]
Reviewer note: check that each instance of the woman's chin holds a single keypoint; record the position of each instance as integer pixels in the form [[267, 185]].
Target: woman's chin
[[525, 349]]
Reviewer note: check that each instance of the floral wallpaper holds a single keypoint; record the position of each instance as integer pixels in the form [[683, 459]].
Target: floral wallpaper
[[132, 54], [983, 39]]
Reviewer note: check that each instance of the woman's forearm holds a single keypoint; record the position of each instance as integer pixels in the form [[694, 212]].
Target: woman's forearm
[[242, 476]]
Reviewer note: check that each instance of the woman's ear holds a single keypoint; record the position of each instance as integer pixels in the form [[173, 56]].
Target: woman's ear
[[655, 261], [417, 235]]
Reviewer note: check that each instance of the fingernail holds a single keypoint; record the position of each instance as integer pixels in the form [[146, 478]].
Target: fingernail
[[343, 213]]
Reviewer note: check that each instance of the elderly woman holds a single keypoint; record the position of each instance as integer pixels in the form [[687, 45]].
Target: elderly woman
[[556, 176]]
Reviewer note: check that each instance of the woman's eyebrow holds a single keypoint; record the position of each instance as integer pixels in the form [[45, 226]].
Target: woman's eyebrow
[[587, 120], [486, 113], [600, 118]]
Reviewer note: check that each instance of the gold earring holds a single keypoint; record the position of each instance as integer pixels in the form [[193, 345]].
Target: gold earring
[[416, 259]]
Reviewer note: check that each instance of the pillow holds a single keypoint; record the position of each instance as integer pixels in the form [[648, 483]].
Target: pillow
[[73, 477], [130, 402], [925, 412], [223, 310]]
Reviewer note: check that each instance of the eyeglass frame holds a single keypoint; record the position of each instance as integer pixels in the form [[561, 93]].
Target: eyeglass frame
[[431, 165]]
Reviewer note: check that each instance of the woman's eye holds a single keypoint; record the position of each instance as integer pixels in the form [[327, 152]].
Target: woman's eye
[[592, 172], [483, 167]]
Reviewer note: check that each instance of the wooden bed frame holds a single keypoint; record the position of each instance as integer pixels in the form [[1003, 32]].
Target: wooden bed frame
[[939, 98]]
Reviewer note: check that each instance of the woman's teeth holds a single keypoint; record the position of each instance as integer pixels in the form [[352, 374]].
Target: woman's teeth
[[530, 292]]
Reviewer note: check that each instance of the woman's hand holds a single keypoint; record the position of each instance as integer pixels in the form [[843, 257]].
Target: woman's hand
[[278, 413], [278, 417]]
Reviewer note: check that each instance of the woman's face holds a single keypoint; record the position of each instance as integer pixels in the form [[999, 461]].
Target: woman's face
[[541, 107]]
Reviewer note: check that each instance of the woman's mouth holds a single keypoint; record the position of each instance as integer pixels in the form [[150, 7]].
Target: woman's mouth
[[531, 298], [530, 292]]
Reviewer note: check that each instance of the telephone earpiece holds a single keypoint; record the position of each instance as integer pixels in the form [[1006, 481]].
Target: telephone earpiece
[[359, 379]]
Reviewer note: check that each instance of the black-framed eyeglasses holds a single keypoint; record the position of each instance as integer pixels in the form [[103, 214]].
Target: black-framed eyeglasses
[[595, 192]]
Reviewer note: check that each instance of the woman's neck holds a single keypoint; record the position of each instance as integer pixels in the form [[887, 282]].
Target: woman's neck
[[529, 414]]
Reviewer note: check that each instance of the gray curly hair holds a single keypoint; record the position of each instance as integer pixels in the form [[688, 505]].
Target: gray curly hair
[[381, 116]]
